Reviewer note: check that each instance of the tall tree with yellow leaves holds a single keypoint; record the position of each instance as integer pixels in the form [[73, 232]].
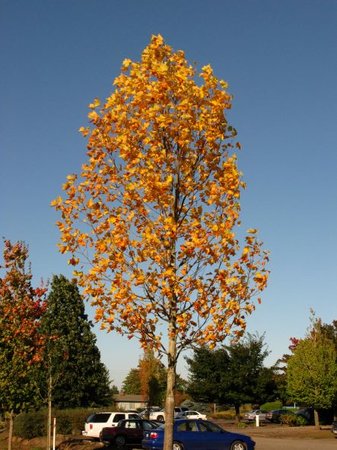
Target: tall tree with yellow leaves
[[150, 222]]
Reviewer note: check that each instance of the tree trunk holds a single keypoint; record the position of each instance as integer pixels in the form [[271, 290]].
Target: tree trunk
[[237, 414], [171, 380], [10, 432], [316, 418], [50, 381]]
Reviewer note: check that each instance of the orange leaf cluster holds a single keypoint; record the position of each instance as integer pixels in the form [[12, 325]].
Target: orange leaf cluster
[[21, 307], [152, 216]]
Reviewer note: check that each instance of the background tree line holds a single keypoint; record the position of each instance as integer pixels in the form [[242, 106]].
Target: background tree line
[[235, 375], [48, 350], [46, 338]]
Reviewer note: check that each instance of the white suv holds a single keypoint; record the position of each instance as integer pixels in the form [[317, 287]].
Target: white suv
[[96, 422]]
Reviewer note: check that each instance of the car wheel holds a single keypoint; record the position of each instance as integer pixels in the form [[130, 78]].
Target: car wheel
[[160, 418], [120, 441], [177, 446], [238, 445]]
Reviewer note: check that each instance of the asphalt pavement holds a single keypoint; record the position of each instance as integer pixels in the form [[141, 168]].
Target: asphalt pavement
[[263, 443]]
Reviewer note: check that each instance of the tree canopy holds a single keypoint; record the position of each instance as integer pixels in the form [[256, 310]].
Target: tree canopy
[[131, 383], [72, 349], [312, 371], [232, 374], [150, 221], [21, 343]]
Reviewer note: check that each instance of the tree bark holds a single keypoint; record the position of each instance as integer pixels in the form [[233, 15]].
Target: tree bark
[[171, 380], [10, 433], [50, 381], [237, 413], [316, 418]]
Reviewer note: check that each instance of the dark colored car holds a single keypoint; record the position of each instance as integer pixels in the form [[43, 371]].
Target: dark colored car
[[276, 414], [307, 414], [127, 432], [197, 435], [334, 427]]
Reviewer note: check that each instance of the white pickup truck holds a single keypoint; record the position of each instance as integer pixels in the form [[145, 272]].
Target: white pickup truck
[[160, 415]]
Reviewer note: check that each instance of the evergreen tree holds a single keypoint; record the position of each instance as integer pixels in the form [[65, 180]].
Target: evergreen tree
[[232, 374], [75, 374]]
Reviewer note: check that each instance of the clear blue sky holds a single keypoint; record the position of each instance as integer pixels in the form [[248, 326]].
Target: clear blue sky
[[280, 59]]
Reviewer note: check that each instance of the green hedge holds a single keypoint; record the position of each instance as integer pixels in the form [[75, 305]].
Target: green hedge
[[30, 425], [269, 406], [34, 424]]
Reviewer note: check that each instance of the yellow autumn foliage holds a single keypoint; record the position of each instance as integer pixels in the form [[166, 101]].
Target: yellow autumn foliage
[[152, 216]]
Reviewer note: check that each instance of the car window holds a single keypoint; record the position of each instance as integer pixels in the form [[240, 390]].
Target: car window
[[133, 416], [210, 427], [194, 426], [118, 417], [187, 426], [148, 425], [131, 425], [99, 418]]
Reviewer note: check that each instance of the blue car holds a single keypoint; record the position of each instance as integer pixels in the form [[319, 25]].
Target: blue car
[[197, 435]]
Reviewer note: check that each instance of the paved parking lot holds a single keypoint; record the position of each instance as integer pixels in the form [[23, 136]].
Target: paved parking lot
[[263, 443]]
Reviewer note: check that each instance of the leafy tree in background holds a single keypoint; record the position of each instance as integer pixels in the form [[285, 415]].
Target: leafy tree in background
[[206, 372], [148, 379], [74, 370], [131, 383], [249, 381], [330, 331], [155, 209], [152, 378], [21, 343], [232, 375], [312, 371]]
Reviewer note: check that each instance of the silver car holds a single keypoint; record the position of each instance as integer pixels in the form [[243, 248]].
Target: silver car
[[251, 415]]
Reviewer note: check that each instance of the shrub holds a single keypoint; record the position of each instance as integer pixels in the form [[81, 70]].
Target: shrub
[[71, 421], [293, 420], [31, 424], [269, 406], [228, 415], [34, 423]]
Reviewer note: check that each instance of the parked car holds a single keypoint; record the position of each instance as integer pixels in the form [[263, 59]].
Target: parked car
[[307, 414], [147, 411], [160, 415], [127, 432], [179, 410], [276, 414], [191, 415], [200, 434], [250, 416], [96, 422], [157, 415], [334, 427]]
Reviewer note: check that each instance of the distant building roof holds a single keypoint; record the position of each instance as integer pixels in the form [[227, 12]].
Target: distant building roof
[[130, 398]]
